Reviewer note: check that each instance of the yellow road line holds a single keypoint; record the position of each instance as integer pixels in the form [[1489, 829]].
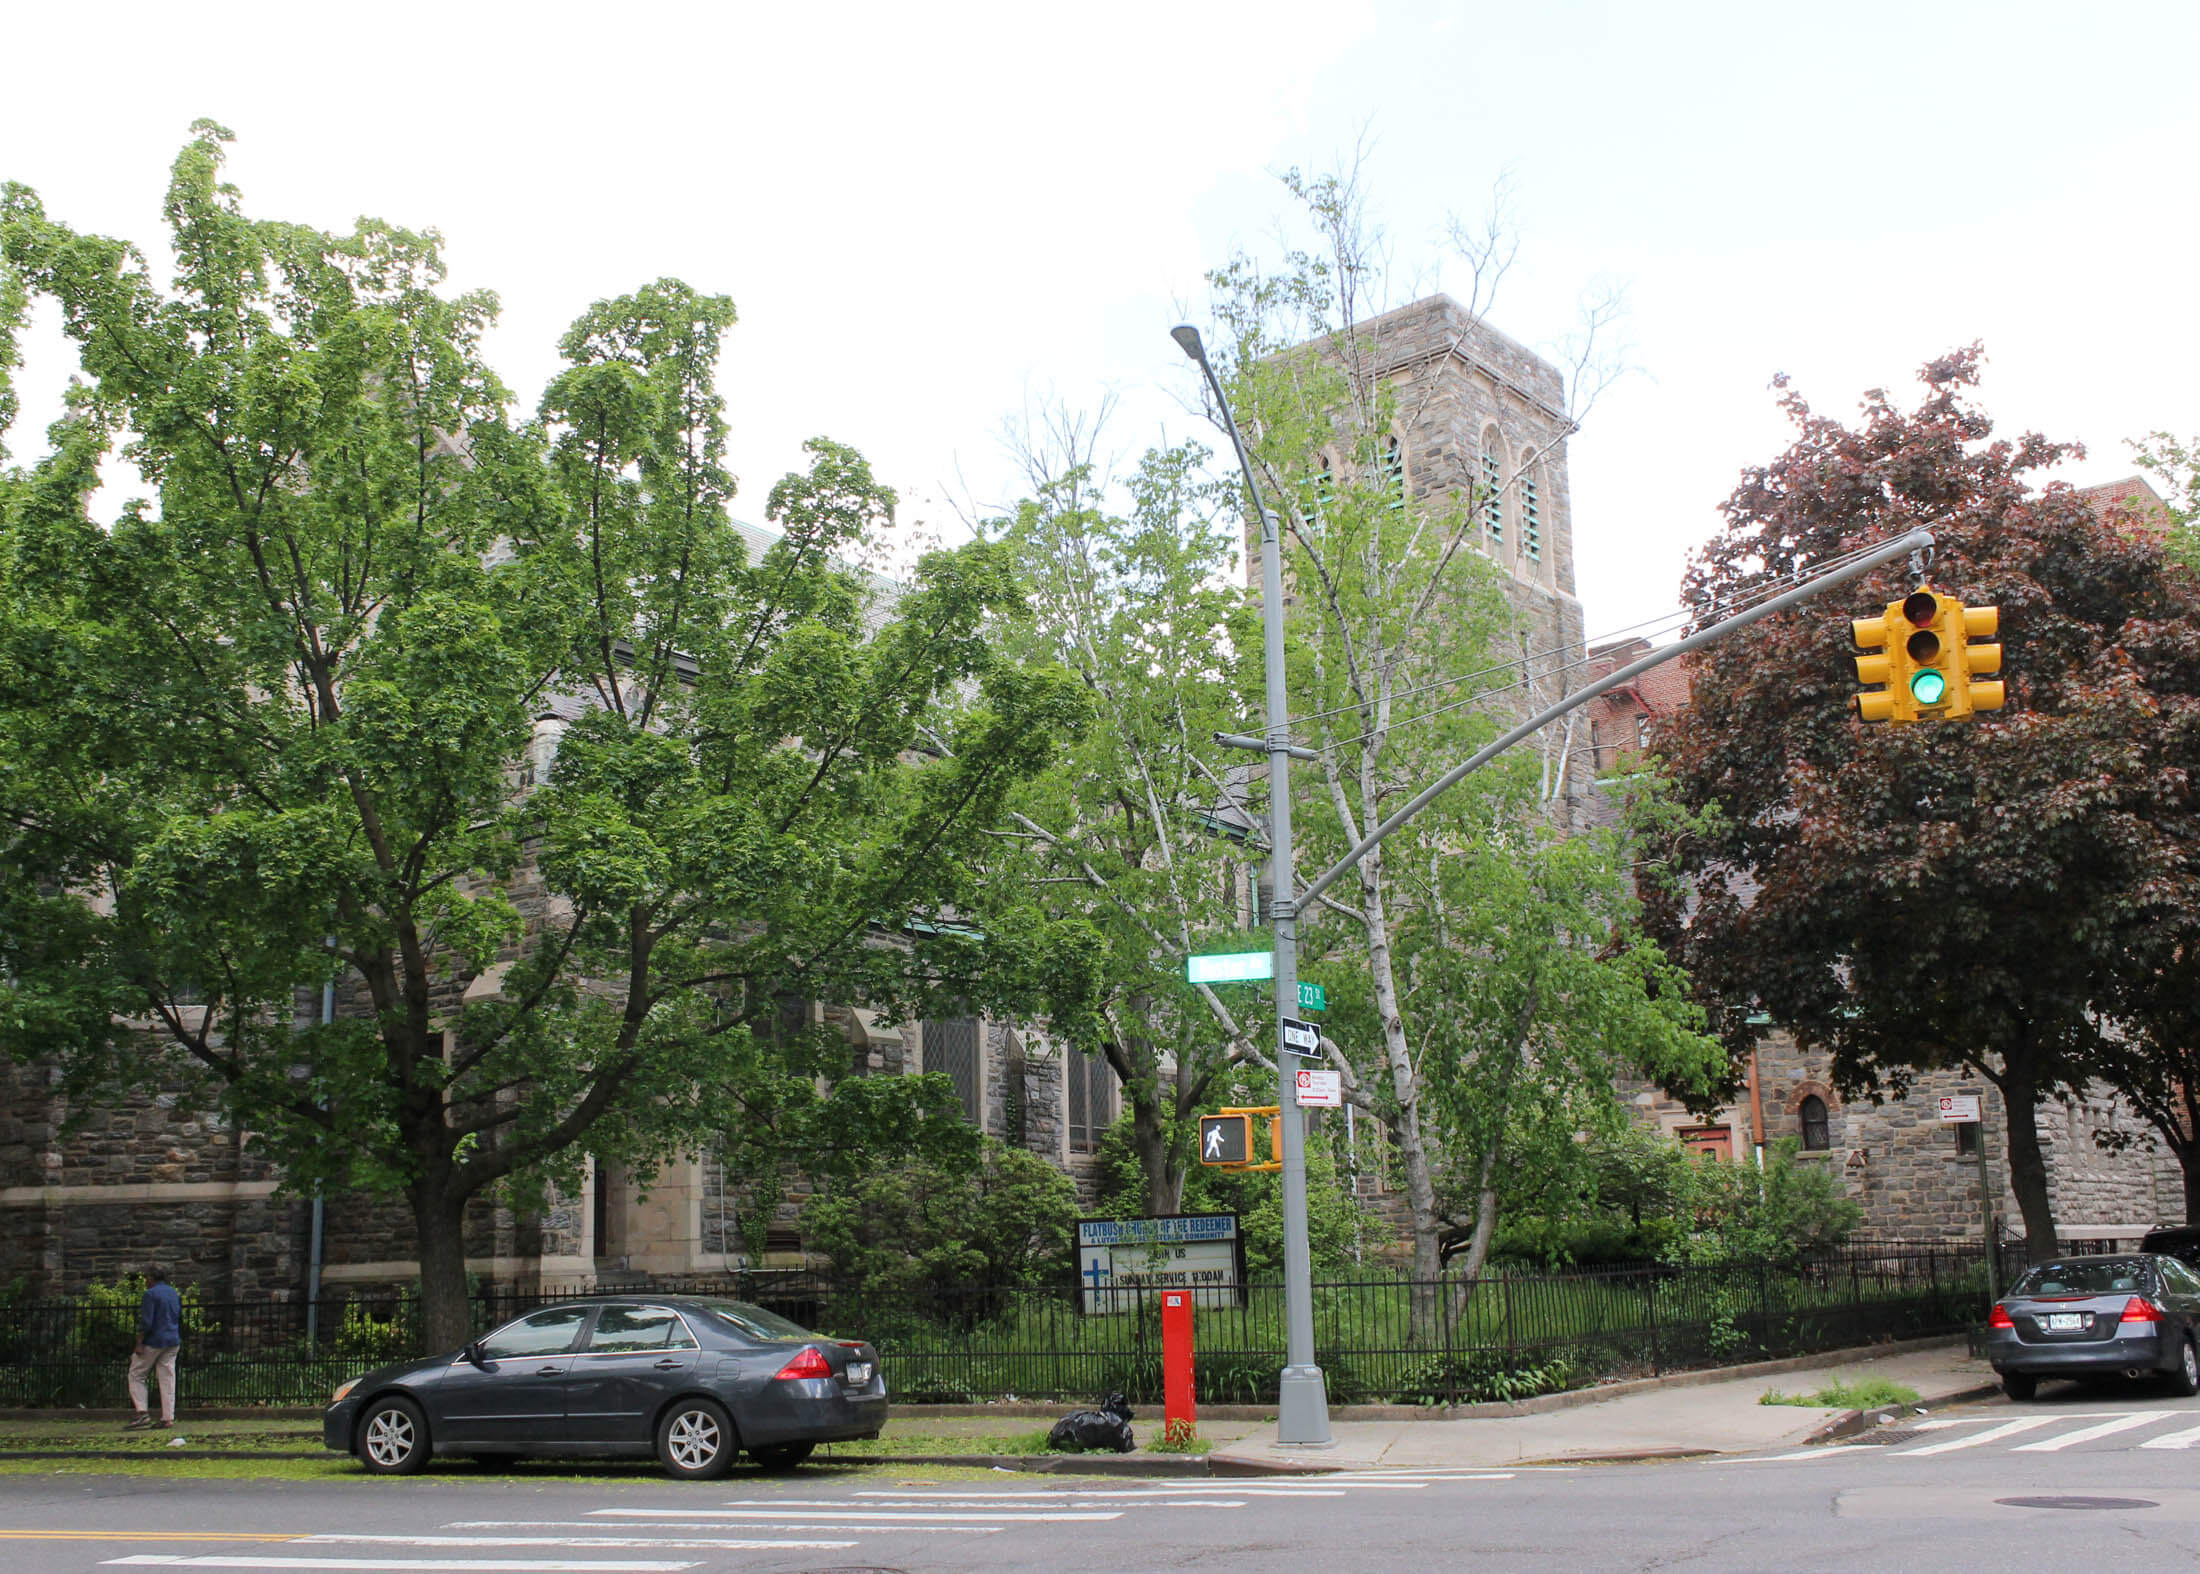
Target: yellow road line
[[152, 1535]]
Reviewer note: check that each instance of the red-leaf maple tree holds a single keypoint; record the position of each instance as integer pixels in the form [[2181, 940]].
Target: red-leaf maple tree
[[1988, 894]]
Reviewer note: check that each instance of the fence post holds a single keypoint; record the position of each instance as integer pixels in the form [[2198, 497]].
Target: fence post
[[1856, 1300], [1650, 1300], [1764, 1311], [1511, 1344], [1443, 1322]]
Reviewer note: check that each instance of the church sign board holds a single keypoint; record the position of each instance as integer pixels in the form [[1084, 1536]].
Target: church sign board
[[1122, 1262]]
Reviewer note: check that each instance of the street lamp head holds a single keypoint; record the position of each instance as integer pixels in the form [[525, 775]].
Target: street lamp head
[[1187, 338]]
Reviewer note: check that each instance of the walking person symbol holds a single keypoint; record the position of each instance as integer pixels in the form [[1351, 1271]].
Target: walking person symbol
[[1214, 1142]]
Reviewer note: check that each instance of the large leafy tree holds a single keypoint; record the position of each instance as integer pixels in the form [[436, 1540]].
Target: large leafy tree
[[291, 721], [1490, 981], [1910, 898], [1142, 829]]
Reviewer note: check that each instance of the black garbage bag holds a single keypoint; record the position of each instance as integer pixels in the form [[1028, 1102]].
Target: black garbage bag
[[1090, 1431]]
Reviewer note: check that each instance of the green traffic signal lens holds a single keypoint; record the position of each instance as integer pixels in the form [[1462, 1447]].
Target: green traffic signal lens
[[1928, 687]]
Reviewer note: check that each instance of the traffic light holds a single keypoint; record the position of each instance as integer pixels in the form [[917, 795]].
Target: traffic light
[[1920, 649]]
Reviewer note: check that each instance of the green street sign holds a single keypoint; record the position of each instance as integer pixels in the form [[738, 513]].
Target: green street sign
[[1311, 998], [1232, 968]]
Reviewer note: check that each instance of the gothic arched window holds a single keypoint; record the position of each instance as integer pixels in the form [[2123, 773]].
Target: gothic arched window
[[1493, 490], [1817, 1130]]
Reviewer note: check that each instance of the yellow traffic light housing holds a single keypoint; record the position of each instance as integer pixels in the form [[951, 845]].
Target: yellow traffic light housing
[[1226, 1140], [1982, 623], [1872, 636], [1920, 649]]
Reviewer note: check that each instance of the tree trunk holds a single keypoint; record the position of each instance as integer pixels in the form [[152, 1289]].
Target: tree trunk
[[446, 1318], [2027, 1166], [1405, 1124], [2188, 1160], [1150, 1139]]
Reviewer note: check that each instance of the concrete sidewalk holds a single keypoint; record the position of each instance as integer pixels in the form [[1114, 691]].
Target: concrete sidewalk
[[1720, 1417]]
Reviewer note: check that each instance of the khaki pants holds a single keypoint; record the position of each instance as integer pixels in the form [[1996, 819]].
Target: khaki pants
[[162, 1364]]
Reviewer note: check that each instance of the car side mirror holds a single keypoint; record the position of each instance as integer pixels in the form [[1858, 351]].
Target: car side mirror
[[471, 1354]]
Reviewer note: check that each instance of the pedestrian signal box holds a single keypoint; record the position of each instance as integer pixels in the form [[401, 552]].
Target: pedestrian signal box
[[1227, 1140]]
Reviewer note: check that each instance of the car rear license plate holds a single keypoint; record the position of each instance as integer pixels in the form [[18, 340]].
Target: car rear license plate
[[859, 1371], [2062, 1322]]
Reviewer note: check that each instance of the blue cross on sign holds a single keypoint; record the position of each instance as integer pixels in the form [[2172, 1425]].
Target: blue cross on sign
[[1095, 1272]]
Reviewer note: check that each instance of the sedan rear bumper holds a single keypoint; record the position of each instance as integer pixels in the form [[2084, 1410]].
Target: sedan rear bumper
[[812, 1410], [2144, 1347]]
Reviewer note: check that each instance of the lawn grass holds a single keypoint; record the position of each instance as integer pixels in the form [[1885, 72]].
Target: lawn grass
[[1866, 1393]]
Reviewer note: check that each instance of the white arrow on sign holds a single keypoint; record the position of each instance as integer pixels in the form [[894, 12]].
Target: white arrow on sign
[[1304, 1037]]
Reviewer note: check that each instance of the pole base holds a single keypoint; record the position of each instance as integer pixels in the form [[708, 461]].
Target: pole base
[[1302, 1408]]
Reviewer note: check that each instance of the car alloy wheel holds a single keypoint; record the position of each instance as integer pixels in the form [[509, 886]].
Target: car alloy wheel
[[695, 1440], [393, 1439], [2187, 1379]]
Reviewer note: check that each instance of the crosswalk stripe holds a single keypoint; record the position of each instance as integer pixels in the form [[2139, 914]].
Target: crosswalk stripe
[[1973, 1439], [2188, 1438], [2087, 1434], [797, 1511], [1802, 1453], [222, 1560], [793, 1522], [592, 1544]]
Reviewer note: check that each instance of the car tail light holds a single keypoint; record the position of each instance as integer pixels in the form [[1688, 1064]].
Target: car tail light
[[1999, 1317], [2140, 1310], [810, 1363]]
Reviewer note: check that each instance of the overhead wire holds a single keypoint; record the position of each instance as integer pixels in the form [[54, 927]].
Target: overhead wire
[[1714, 611]]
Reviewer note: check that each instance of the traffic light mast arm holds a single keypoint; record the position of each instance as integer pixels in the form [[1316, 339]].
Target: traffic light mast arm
[[1915, 541]]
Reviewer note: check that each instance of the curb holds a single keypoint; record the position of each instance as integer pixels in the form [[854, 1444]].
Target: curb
[[1039, 1464], [1851, 1422]]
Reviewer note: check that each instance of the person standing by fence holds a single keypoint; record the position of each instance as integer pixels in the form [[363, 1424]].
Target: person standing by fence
[[160, 1334]]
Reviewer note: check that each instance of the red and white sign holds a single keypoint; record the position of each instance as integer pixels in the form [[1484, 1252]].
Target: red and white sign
[[1321, 1089], [1959, 1106]]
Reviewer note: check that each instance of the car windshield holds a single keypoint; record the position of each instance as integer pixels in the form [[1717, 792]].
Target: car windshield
[[2097, 1276], [756, 1322]]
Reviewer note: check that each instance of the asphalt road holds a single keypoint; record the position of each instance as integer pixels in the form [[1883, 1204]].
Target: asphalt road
[[2102, 1479]]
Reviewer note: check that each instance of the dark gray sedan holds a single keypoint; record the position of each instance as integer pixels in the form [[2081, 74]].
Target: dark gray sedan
[[696, 1380], [2093, 1317]]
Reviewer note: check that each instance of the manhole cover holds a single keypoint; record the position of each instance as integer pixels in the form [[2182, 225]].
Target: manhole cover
[[2077, 1502], [1880, 1437]]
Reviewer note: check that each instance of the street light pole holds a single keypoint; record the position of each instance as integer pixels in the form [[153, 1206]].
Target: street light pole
[[1302, 1409]]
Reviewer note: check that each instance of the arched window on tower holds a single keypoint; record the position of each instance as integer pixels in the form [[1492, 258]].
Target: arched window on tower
[[1531, 514], [1316, 488], [1394, 474], [1493, 495], [1817, 1130]]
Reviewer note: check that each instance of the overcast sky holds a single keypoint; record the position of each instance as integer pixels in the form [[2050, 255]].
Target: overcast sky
[[927, 215]]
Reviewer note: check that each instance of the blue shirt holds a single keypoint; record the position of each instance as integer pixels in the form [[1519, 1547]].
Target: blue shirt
[[160, 1318]]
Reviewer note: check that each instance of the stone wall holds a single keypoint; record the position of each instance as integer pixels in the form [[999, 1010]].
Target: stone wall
[[1900, 1162]]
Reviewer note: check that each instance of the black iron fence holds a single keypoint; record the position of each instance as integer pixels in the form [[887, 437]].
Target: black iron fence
[[1379, 1339]]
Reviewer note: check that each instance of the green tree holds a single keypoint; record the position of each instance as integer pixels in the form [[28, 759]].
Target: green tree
[[2177, 466], [274, 726], [1489, 981], [1141, 829], [1009, 1219], [1910, 898]]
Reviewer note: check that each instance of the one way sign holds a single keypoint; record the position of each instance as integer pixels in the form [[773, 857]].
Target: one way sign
[[1301, 1038]]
